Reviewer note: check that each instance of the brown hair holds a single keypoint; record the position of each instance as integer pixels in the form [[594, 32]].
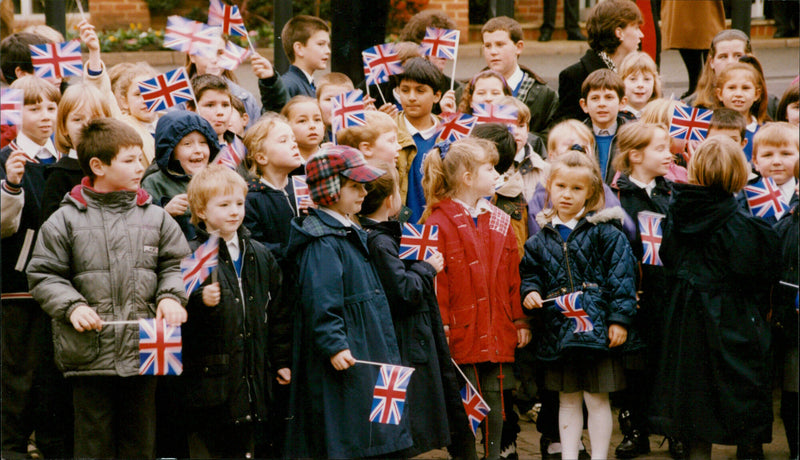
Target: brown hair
[[213, 180], [256, 135], [635, 136], [505, 23], [705, 85], [775, 134], [380, 189], [207, 82], [759, 107], [377, 123], [641, 62], [286, 111], [725, 118], [299, 29], [523, 112], [77, 96], [35, 90], [792, 94], [414, 30], [102, 138], [578, 160], [604, 19], [603, 79], [719, 163], [332, 79], [465, 106]]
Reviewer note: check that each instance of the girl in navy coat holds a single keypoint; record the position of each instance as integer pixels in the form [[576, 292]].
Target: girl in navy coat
[[580, 249]]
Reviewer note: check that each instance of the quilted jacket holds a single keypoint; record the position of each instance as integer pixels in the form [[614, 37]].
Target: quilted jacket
[[596, 259]]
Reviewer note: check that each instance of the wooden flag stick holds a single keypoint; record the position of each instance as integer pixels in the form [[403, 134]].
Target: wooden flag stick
[[373, 363], [80, 9], [790, 285], [106, 323], [378, 85], [453, 77]]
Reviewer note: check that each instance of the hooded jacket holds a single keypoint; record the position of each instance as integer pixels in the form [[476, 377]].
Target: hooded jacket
[[116, 253]]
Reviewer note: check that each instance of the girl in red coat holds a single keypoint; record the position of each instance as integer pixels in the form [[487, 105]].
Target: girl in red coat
[[478, 291]]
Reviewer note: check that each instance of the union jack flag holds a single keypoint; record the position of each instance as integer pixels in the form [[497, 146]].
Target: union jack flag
[[57, 60], [159, 348], [689, 123], [232, 56], [475, 407], [166, 90], [456, 126], [491, 113], [196, 267], [348, 110], [570, 306], [232, 154], [382, 61], [441, 43], [11, 106], [302, 196], [764, 199], [368, 77], [191, 36], [650, 232], [226, 16], [418, 242], [390, 394]]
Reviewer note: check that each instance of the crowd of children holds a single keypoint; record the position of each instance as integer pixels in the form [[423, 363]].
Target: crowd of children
[[546, 295]]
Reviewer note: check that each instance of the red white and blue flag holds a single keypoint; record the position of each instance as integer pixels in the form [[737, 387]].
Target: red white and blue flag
[[475, 407], [232, 56], [302, 196], [456, 126], [418, 242], [57, 60], [166, 89], [160, 348], [227, 17], [382, 61], [389, 396], [491, 113], [650, 233], [765, 199], [348, 110], [570, 306], [196, 267], [231, 155], [11, 100], [368, 78], [690, 123], [440, 43], [191, 36]]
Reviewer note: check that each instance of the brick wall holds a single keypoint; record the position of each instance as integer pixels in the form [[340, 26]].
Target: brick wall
[[527, 12], [458, 10], [113, 14]]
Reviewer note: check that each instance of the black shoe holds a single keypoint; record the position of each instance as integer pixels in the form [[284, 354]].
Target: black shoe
[[750, 452], [576, 36], [545, 35], [633, 445], [785, 34], [676, 449]]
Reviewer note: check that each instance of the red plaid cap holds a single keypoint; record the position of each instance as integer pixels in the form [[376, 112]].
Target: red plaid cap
[[323, 170]]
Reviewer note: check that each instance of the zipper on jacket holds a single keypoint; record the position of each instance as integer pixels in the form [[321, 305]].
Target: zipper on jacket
[[248, 352], [569, 270]]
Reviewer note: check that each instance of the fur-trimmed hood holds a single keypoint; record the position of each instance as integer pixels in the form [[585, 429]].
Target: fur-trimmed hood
[[597, 217]]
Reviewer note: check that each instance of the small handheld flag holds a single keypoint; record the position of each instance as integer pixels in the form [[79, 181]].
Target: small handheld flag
[[227, 17], [418, 242], [689, 123], [456, 126], [191, 37], [231, 155], [348, 110], [11, 106], [474, 405], [302, 196], [232, 56], [650, 232], [570, 306], [160, 348], [765, 199], [166, 89], [383, 61], [389, 396], [490, 113], [57, 60], [440, 43], [196, 267]]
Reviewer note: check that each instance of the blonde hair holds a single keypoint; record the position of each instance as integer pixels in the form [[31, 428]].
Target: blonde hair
[[35, 90], [377, 123], [641, 62], [332, 79], [256, 136], [128, 75], [658, 111], [776, 134], [523, 112], [720, 163], [213, 180], [76, 97], [48, 33], [441, 177], [574, 159], [635, 136], [571, 126]]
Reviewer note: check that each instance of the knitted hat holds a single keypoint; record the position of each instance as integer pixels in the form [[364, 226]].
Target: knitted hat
[[324, 167]]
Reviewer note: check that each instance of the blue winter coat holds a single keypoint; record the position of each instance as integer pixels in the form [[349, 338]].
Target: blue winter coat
[[596, 259], [341, 306]]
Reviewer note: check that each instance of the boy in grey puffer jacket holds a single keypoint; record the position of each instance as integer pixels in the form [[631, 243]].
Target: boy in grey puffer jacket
[[106, 255]]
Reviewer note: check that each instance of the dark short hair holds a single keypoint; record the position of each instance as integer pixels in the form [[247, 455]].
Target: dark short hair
[[207, 82], [725, 118], [14, 52], [603, 79], [102, 138], [299, 29], [422, 71], [604, 19], [502, 138], [505, 23], [792, 94]]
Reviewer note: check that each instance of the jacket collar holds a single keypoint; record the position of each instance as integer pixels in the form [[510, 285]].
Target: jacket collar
[[84, 190]]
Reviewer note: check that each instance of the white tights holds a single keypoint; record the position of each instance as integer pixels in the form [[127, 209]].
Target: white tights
[[570, 423]]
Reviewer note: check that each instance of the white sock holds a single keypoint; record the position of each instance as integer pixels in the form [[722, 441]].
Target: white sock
[[600, 423], [570, 423]]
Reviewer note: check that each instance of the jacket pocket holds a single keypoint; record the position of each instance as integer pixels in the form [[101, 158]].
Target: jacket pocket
[[421, 340], [209, 385], [73, 348]]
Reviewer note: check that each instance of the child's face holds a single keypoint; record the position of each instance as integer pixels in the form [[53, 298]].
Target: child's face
[[487, 90], [351, 196], [385, 149], [500, 52], [325, 100], [569, 191], [75, 122], [484, 180], [629, 37], [602, 106], [776, 162], [134, 103], [734, 134], [655, 159], [793, 113], [639, 87], [123, 174], [728, 52], [280, 150], [739, 92], [238, 122], [192, 153], [215, 107], [209, 65], [38, 120], [306, 122], [417, 99], [224, 214], [316, 52], [521, 134]]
